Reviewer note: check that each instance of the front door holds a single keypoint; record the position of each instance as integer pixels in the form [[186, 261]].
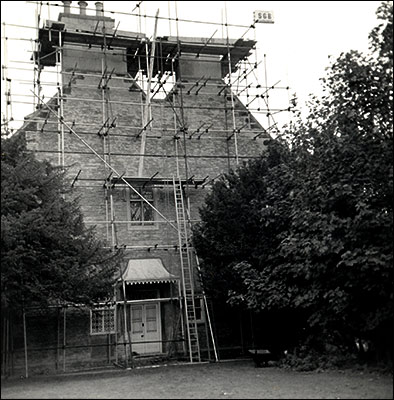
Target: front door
[[146, 328]]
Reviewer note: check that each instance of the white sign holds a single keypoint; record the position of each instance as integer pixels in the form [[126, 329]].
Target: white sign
[[266, 17]]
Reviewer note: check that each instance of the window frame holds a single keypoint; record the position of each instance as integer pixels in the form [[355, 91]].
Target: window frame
[[142, 224], [101, 308], [202, 318]]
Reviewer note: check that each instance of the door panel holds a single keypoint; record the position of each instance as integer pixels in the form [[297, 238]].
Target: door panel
[[152, 327], [137, 329], [145, 327]]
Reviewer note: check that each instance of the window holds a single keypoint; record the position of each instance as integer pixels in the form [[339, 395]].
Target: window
[[102, 320], [139, 212], [199, 307]]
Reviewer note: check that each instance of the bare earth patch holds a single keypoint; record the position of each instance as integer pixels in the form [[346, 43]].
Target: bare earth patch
[[231, 380]]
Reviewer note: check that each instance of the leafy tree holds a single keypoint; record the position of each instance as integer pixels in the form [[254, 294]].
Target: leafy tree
[[47, 253], [341, 235], [245, 215], [330, 251]]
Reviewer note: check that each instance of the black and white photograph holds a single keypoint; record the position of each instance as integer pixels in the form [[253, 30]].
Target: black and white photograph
[[197, 200]]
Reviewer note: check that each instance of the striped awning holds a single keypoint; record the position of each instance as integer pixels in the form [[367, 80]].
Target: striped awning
[[147, 270]]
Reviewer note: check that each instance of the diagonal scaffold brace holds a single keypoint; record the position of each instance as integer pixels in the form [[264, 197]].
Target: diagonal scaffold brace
[[107, 164]]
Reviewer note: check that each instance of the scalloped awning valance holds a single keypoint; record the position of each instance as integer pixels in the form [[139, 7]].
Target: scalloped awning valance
[[147, 270]]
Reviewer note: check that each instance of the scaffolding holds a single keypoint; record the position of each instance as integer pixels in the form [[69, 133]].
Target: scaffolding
[[154, 69]]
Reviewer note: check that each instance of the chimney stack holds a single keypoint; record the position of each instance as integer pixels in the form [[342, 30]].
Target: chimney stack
[[66, 5], [82, 7], [99, 9]]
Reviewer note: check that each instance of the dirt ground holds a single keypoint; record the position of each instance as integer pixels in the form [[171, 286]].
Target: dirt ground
[[233, 380]]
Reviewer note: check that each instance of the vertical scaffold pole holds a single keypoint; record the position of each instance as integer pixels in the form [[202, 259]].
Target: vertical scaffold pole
[[266, 85], [231, 91], [64, 337], [182, 320], [61, 95], [148, 111], [25, 342]]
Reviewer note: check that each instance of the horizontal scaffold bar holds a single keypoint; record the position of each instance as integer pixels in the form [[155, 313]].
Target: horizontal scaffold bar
[[254, 110], [153, 136], [113, 12], [146, 155], [155, 103], [154, 181]]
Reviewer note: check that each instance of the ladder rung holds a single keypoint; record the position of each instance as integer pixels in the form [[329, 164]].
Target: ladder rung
[[192, 327]]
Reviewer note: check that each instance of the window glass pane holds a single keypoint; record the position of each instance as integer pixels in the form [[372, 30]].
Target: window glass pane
[[136, 317], [103, 320], [134, 196], [140, 211], [148, 194], [197, 304], [109, 321], [135, 211], [97, 321], [148, 212]]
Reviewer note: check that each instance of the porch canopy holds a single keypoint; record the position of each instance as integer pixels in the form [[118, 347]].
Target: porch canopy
[[147, 270]]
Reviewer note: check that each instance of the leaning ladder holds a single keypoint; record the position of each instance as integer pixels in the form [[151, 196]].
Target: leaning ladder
[[186, 274], [185, 218]]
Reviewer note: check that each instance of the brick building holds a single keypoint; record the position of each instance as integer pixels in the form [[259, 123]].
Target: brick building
[[143, 128]]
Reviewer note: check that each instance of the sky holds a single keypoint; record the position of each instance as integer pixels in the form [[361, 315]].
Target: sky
[[293, 52]]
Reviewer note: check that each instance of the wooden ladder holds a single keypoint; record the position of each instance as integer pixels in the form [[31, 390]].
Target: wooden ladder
[[186, 274]]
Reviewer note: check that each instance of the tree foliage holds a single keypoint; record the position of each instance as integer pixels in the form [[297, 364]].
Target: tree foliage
[[314, 230], [48, 255]]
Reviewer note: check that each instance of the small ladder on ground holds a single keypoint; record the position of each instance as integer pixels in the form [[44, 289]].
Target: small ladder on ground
[[187, 274]]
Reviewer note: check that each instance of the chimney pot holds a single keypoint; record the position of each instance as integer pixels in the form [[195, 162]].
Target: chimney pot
[[82, 7], [66, 5], [99, 9]]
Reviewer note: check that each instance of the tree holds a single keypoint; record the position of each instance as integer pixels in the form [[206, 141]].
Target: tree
[[330, 254], [48, 255], [341, 235], [245, 217]]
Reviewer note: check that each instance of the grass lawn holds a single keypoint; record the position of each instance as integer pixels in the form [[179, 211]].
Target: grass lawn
[[236, 379]]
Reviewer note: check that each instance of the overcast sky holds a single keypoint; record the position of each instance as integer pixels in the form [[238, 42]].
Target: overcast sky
[[297, 45]]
